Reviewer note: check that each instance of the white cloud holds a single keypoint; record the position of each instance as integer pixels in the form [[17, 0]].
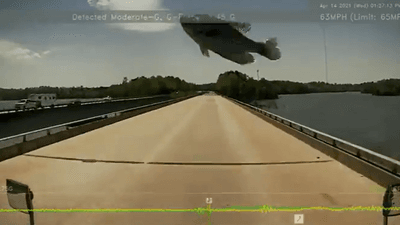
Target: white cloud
[[19, 51], [36, 55], [15, 51], [133, 5]]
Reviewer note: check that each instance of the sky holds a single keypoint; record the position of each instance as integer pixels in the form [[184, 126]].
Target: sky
[[68, 53]]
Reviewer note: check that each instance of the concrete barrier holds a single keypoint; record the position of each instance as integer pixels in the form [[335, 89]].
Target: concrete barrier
[[23, 143], [36, 135], [286, 122], [308, 132], [57, 129], [325, 139], [297, 127], [377, 167], [11, 141]]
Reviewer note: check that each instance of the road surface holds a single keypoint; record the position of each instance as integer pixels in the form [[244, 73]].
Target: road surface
[[153, 161]]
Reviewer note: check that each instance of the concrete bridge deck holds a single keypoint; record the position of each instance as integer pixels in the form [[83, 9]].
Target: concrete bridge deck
[[176, 157]]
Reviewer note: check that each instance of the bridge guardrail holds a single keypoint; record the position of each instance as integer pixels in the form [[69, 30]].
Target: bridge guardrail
[[29, 136], [370, 156]]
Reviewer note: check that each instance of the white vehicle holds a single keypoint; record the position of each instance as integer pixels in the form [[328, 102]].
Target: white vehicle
[[43, 99], [36, 101], [107, 99], [26, 104]]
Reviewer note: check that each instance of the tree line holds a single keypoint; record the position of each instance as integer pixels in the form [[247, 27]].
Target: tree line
[[231, 83], [138, 87], [242, 87]]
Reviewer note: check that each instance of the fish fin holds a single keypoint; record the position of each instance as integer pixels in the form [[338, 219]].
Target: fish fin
[[273, 41], [204, 51], [270, 49], [240, 58], [241, 27]]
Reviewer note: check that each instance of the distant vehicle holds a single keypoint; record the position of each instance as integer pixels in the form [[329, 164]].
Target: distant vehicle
[[107, 99], [24, 104], [74, 103], [43, 99]]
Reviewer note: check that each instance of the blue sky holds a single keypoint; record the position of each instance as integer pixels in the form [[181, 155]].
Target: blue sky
[[75, 54]]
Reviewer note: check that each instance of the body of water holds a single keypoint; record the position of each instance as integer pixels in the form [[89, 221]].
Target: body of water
[[369, 121]]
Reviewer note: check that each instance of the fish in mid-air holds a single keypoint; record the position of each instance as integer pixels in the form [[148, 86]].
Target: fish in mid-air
[[227, 39]]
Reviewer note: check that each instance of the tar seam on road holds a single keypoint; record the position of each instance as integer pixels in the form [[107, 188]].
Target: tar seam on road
[[180, 163], [235, 164], [85, 160]]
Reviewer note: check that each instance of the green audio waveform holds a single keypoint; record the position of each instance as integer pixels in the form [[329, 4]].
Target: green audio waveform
[[209, 210]]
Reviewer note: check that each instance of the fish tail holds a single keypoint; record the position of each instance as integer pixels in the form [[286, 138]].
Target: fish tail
[[270, 49]]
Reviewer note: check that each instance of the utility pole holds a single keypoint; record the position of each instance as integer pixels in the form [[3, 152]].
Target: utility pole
[[326, 59], [257, 75]]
